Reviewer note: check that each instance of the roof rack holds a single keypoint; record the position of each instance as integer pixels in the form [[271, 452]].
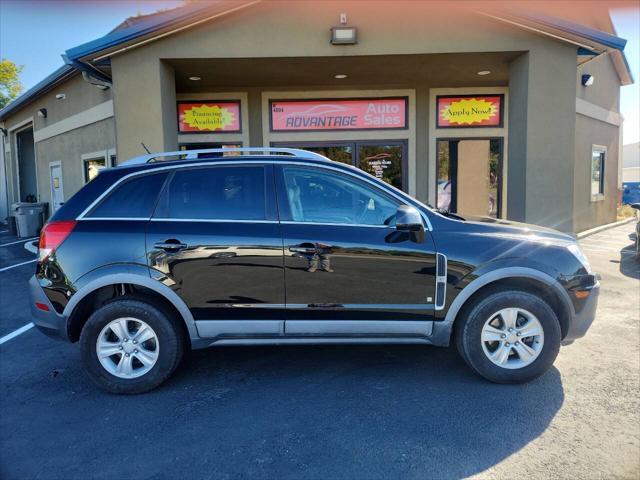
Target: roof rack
[[193, 154]]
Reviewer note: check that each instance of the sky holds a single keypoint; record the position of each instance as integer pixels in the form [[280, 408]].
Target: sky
[[34, 33]]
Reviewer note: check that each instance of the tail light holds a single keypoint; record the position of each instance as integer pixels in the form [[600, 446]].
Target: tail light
[[52, 236]]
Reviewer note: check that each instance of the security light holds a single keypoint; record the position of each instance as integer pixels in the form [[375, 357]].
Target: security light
[[42, 113], [344, 35], [587, 80]]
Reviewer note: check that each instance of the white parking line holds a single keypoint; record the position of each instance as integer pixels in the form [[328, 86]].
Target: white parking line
[[17, 332], [18, 241], [18, 265]]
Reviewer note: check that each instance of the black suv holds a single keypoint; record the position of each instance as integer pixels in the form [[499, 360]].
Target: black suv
[[287, 247]]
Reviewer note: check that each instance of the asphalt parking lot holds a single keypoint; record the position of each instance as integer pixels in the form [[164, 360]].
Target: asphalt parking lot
[[328, 411]]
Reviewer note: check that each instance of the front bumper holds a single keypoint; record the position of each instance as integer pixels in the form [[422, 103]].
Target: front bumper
[[583, 319], [48, 322]]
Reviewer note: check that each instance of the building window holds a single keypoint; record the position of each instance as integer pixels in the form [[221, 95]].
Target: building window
[[598, 155], [92, 167]]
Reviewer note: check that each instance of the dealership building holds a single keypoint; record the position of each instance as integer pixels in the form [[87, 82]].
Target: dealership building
[[502, 112]]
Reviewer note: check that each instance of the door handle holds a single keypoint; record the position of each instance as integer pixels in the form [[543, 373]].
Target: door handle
[[303, 249], [170, 245]]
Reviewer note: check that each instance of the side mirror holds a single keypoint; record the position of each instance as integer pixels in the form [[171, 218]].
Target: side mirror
[[408, 219]]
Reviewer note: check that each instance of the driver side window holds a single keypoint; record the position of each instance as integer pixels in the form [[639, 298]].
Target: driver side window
[[319, 196]]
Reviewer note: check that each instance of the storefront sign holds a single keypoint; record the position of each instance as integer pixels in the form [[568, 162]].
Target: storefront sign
[[209, 116], [339, 114], [469, 111]]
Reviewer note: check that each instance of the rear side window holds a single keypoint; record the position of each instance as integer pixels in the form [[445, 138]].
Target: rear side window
[[216, 193], [135, 198]]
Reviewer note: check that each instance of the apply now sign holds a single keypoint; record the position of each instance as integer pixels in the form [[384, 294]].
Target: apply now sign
[[339, 114], [469, 111]]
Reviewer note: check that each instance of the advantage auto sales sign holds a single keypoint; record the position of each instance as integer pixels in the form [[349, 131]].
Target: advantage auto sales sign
[[339, 114]]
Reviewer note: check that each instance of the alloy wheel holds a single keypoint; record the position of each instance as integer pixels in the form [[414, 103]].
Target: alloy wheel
[[127, 347], [512, 338]]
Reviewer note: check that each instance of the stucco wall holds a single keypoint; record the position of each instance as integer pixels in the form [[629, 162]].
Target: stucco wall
[[587, 213], [603, 130], [605, 91], [68, 149]]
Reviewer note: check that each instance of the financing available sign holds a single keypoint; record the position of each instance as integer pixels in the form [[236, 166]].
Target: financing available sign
[[469, 111], [339, 114], [209, 116]]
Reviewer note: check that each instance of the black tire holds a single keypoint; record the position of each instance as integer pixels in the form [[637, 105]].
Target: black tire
[[468, 335], [169, 337]]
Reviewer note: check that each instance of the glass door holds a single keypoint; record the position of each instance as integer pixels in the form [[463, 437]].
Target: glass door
[[469, 176], [384, 159], [203, 146]]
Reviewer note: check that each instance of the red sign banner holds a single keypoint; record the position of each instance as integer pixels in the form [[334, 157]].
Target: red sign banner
[[469, 111], [209, 116], [339, 114]]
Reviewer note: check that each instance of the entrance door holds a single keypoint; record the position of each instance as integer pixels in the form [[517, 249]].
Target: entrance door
[[57, 192], [384, 159], [469, 176], [27, 166], [347, 269]]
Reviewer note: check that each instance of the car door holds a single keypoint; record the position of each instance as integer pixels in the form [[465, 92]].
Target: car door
[[348, 270], [215, 240]]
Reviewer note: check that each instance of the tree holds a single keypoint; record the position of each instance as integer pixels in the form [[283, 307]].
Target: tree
[[10, 86]]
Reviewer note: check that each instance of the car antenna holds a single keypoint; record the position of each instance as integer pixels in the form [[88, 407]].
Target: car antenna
[[145, 147]]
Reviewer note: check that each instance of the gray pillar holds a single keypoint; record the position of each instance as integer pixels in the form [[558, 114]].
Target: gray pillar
[[517, 172], [144, 105], [542, 136]]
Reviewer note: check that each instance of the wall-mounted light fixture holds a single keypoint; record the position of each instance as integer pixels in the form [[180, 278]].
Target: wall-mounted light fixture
[[344, 35], [587, 80], [4, 132], [61, 96], [42, 113]]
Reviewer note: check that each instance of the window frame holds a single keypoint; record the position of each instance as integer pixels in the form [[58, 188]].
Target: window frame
[[283, 200], [271, 214], [602, 150], [105, 155]]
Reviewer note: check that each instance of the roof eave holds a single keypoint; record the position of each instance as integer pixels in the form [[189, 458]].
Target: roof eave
[[119, 41], [582, 37]]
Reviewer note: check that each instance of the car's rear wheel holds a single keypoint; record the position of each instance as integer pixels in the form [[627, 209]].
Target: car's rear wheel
[[130, 346], [509, 336]]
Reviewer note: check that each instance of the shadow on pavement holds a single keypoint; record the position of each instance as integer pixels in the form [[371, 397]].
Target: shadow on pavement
[[367, 412]]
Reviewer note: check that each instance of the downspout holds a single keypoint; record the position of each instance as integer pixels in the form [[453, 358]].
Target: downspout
[[89, 72]]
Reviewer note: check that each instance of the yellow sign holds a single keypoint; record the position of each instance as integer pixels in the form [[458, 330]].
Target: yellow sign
[[469, 111], [208, 118]]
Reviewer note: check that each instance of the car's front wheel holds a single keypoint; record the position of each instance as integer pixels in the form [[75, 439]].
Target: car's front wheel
[[509, 336], [130, 346]]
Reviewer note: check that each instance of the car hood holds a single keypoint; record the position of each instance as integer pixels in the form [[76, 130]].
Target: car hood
[[508, 227]]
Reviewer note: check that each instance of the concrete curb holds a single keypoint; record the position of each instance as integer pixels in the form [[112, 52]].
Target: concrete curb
[[30, 247], [602, 228]]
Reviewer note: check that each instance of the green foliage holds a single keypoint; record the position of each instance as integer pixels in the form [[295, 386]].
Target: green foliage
[[10, 86]]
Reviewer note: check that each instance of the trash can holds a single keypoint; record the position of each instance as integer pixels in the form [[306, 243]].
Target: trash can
[[29, 218]]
